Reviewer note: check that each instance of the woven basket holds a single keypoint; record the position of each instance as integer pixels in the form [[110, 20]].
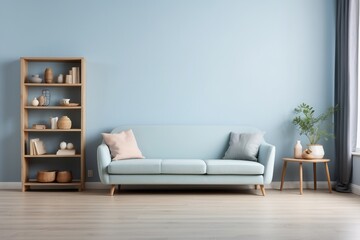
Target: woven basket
[[64, 176], [64, 123], [46, 176]]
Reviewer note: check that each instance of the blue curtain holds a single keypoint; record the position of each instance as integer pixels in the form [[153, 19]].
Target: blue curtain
[[346, 80]]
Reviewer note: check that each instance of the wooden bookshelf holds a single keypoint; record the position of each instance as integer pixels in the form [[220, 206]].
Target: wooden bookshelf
[[36, 65]]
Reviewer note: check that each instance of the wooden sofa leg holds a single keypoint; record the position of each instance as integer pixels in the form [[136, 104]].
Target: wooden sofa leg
[[262, 188], [256, 186], [112, 190]]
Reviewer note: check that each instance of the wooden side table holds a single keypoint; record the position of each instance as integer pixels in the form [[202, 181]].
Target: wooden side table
[[301, 161]]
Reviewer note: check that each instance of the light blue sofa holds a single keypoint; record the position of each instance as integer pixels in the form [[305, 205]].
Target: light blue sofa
[[185, 155]]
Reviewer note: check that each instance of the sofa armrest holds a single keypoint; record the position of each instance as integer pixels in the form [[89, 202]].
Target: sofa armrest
[[103, 161], [267, 158]]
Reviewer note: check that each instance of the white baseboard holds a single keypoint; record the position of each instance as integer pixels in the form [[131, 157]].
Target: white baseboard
[[95, 185], [296, 184], [273, 185], [10, 185], [355, 189]]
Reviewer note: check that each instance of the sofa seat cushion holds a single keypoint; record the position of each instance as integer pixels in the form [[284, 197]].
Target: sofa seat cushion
[[135, 166], [183, 166], [228, 167]]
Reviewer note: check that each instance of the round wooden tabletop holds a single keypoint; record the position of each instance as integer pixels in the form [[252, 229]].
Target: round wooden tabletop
[[317, 160]]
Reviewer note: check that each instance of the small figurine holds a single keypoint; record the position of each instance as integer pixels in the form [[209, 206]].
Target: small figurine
[[35, 102]]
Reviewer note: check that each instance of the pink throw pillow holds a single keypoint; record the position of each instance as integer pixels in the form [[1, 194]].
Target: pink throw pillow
[[122, 145]]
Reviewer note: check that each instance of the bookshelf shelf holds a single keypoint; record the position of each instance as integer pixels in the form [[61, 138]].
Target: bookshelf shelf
[[52, 130], [33, 182], [52, 108], [31, 115], [52, 156], [52, 85]]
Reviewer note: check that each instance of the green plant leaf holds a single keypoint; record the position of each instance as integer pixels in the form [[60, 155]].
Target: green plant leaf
[[310, 125]]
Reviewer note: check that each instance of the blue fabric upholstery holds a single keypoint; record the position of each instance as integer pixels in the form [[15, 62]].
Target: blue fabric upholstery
[[183, 166], [187, 179], [175, 155], [135, 166], [233, 167]]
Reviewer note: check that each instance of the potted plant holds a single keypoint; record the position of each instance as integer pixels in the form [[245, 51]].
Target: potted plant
[[311, 126]]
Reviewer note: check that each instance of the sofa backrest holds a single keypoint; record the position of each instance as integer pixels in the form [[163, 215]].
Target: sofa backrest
[[185, 141]]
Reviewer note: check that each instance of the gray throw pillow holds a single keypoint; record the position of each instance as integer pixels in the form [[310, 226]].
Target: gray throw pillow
[[244, 146]]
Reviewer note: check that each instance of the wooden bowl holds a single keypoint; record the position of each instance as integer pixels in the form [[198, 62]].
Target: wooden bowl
[[307, 156], [64, 176], [46, 176]]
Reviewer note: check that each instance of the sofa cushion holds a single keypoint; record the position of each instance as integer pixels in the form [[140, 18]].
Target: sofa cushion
[[135, 166], [244, 146], [122, 145], [225, 167], [183, 166]]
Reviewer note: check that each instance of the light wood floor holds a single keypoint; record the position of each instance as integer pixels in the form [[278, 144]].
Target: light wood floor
[[179, 214]]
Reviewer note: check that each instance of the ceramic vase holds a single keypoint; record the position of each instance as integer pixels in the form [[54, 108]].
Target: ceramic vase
[[298, 150], [35, 102], [60, 78], [41, 100], [53, 122], [64, 123], [48, 75], [317, 150]]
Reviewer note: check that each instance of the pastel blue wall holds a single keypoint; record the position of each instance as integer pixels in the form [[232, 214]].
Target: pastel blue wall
[[176, 62]]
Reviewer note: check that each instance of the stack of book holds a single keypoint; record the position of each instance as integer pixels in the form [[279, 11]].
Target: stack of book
[[75, 74], [37, 147]]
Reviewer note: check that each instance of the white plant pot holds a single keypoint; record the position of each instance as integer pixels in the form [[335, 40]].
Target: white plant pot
[[317, 150]]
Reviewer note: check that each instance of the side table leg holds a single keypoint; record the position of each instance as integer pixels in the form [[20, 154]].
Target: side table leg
[[314, 168], [283, 175], [328, 176], [301, 177]]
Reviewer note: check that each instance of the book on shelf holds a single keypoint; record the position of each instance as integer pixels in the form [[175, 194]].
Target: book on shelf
[[37, 147], [64, 152], [75, 72], [78, 75], [32, 145], [71, 76], [39, 126]]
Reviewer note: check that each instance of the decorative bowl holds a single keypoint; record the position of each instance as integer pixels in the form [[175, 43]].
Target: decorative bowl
[[64, 101], [35, 79], [64, 176], [46, 176]]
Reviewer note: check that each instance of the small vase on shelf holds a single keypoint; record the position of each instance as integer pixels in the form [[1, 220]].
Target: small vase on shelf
[[60, 78], [298, 150], [64, 123], [35, 102], [41, 99], [48, 75]]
